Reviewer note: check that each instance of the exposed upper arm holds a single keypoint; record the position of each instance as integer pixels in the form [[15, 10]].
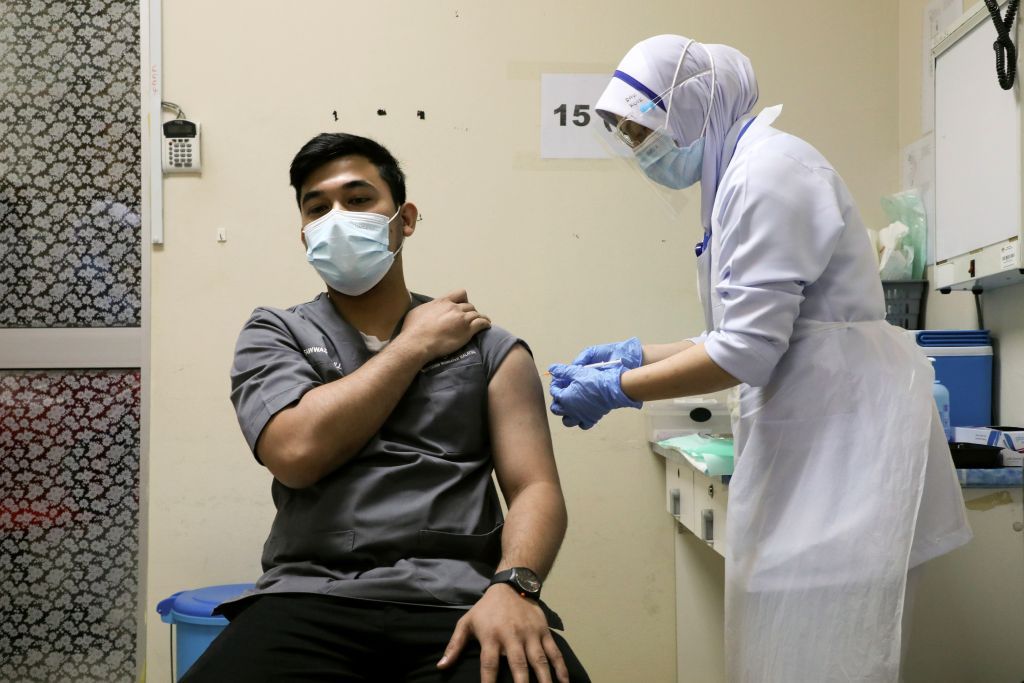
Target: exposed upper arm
[[520, 437]]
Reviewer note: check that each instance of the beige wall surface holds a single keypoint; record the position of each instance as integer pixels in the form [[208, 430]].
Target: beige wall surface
[[563, 253]]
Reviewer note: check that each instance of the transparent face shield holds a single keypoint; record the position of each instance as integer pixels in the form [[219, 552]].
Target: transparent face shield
[[623, 135]]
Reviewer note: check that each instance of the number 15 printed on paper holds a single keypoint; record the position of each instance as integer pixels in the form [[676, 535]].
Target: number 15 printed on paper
[[569, 126]]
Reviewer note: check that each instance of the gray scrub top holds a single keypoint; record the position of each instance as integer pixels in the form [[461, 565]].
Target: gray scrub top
[[415, 516]]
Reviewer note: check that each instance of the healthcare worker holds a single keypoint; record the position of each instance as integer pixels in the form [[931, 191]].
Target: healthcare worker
[[843, 480]]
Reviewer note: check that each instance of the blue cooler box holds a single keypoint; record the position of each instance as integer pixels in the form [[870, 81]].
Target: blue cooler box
[[192, 612], [963, 363]]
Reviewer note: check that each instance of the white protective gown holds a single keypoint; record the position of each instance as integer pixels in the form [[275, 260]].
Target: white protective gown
[[843, 478]]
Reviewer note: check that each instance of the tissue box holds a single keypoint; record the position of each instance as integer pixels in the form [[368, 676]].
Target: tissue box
[[1010, 439]]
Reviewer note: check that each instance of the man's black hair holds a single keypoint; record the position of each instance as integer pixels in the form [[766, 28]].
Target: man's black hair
[[329, 146]]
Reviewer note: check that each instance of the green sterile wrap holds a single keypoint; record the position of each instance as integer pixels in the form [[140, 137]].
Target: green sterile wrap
[[711, 455], [908, 209]]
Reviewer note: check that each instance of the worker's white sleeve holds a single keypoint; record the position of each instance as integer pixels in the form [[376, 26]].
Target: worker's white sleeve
[[700, 339], [779, 222]]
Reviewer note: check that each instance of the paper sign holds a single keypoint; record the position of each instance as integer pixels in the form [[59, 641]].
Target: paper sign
[[569, 126]]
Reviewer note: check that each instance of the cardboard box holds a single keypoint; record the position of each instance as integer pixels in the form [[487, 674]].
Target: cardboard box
[[1011, 438], [1012, 458]]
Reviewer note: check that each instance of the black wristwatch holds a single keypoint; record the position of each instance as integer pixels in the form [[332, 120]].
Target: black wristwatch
[[524, 581]]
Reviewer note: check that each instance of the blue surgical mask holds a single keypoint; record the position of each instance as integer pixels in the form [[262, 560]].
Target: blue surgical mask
[[349, 249], [664, 163]]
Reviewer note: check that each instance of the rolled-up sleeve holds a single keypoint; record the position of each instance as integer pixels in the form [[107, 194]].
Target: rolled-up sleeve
[[778, 227], [495, 344], [699, 339]]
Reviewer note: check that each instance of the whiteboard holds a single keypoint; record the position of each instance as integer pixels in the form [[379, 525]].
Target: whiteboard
[[977, 144]]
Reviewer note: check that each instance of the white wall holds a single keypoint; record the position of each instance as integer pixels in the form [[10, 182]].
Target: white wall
[[564, 253]]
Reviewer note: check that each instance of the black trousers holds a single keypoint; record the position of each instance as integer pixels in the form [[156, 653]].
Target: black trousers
[[300, 638]]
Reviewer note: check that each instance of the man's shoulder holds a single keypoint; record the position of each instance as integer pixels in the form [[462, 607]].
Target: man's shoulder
[[281, 326], [269, 314], [302, 309], [495, 334], [495, 344], [494, 337]]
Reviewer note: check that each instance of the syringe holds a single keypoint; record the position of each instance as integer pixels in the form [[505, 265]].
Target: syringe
[[603, 364]]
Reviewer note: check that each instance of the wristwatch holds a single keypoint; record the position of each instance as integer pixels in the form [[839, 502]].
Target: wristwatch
[[523, 580]]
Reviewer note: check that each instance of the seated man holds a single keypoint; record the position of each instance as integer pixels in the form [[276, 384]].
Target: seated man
[[381, 415]]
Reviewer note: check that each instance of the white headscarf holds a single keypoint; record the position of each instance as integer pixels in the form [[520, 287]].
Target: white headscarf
[[646, 72]]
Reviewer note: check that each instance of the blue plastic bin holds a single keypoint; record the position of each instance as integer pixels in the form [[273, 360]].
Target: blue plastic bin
[[192, 612]]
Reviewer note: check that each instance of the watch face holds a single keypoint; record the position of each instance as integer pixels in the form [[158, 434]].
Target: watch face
[[527, 580]]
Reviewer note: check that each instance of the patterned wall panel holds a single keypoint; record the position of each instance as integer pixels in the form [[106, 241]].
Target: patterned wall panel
[[69, 164], [69, 453]]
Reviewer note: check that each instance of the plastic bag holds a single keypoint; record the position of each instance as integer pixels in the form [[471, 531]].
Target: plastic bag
[[897, 259], [908, 209]]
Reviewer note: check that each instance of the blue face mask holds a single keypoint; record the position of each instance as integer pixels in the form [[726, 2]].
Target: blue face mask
[[349, 249], [664, 163]]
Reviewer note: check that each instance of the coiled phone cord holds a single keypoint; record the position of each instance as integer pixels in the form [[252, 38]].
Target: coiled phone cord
[[1006, 52]]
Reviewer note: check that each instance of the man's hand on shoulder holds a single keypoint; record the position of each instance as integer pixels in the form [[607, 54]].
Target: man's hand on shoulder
[[507, 624], [443, 325]]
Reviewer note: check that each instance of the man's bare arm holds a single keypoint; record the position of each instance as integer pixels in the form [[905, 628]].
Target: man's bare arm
[[329, 424], [524, 462], [502, 621]]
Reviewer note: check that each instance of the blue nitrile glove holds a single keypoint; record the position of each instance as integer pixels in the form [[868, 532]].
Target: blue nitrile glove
[[631, 352], [582, 396]]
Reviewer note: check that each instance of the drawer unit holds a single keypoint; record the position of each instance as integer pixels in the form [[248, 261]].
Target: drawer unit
[[679, 492], [710, 497]]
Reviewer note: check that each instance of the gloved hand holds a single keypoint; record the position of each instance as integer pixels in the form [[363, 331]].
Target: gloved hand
[[631, 352], [582, 396]]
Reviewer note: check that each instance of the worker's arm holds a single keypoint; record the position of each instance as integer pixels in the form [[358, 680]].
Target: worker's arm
[[505, 623], [688, 372], [654, 353], [631, 352], [332, 422]]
